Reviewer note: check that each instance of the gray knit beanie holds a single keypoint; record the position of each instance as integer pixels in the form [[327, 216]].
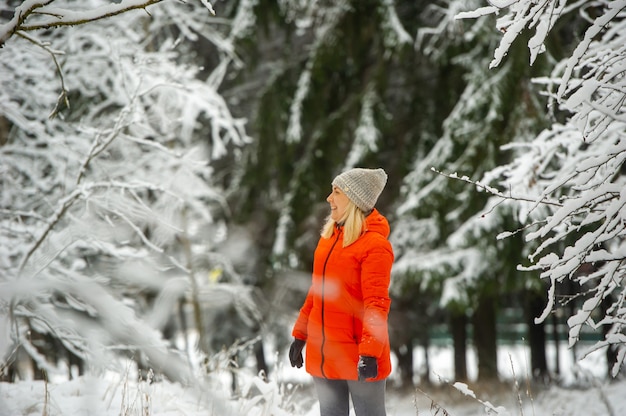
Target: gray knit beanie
[[362, 186]]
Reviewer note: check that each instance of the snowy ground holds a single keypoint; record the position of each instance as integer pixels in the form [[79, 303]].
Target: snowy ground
[[582, 391]]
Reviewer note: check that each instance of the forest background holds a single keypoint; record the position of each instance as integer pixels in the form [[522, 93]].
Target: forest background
[[164, 174]]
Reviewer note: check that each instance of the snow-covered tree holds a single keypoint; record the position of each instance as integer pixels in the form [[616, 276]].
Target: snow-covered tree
[[568, 182], [440, 251], [110, 214], [317, 103]]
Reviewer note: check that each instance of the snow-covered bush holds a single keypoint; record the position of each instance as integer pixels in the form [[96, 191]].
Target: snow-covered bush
[[109, 213]]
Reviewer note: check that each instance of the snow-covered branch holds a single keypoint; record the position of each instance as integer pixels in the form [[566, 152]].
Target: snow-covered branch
[[577, 162], [38, 14], [495, 192], [53, 54]]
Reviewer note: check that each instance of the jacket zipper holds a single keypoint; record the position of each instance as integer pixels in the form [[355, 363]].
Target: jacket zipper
[[323, 293]]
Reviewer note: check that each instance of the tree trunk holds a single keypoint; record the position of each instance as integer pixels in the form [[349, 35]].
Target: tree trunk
[[404, 354], [557, 342], [259, 354], [458, 327], [533, 308], [425, 341], [484, 323], [611, 351], [402, 341]]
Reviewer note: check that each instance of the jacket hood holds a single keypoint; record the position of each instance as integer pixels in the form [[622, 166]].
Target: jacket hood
[[377, 223]]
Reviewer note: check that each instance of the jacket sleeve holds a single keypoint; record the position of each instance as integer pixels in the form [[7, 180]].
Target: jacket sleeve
[[375, 279], [300, 327]]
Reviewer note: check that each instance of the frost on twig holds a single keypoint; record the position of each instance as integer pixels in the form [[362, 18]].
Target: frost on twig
[[63, 99], [37, 15], [495, 192]]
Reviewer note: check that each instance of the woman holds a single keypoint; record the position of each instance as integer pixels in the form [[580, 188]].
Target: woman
[[343, 321]]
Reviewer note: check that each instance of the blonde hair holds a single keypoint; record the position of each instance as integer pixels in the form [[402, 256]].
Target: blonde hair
[[353, 221]]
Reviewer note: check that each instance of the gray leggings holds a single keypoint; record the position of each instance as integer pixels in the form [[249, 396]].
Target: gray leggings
[[368, 398]]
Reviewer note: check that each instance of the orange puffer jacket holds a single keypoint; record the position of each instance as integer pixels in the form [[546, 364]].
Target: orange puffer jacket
[[345, 311]]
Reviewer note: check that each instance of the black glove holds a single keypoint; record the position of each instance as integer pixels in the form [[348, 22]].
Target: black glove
[[295, 352], [368, 367]]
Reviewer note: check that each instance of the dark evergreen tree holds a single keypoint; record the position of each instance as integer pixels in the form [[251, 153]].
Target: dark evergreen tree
[[450, 244]]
